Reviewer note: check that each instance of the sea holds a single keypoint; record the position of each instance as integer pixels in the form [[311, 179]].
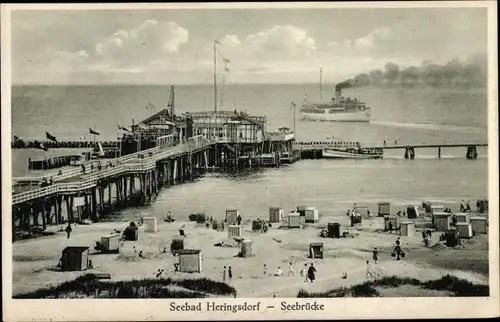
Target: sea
[[408, 116]]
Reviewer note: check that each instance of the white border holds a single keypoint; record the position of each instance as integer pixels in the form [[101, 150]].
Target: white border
[[353, 308]]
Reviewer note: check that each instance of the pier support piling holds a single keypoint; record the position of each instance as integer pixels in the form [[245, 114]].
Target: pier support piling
[[94, 204]]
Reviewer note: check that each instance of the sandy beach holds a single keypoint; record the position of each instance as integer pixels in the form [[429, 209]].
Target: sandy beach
[[35, 260]]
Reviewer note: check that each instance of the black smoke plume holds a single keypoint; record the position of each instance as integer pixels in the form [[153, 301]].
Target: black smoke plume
[[472, 73]]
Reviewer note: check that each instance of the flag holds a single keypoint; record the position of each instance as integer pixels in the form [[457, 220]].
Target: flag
[[39, 145], [217, 42], [293, 105], [18, 142], [93, 132], [226, 69], [50, 137], [226, 61], [122, 128], [150, 106]]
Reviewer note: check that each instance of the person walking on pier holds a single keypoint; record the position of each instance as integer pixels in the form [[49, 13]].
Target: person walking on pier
[[467, 207], [68, 230], [462, 208]]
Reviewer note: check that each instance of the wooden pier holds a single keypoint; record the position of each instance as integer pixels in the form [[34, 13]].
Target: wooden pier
[[136, 178], [87, 191]]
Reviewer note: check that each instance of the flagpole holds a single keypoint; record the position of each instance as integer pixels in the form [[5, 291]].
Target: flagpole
[[294, 117], [215, 79], [321, 83]]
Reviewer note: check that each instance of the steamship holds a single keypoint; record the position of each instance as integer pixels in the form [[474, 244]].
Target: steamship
[[338, 109]]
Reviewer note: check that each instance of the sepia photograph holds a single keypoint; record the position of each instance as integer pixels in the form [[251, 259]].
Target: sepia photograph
[[229, 151]]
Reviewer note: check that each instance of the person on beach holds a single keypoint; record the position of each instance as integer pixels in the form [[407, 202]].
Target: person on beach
[[390, 227], [398, 241], [140, 254], [368, 270], [68, 230], [306, 279], [375, 255], [398, 252], [278, 272], [90, 265], [290, 270], [265, 270], [224, 274], [426, 241], [230, 274], [311, 273]]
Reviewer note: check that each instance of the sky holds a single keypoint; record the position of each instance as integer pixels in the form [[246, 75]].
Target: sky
[[175, 46]]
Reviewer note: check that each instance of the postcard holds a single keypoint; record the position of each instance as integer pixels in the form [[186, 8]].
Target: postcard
[[250, 161]]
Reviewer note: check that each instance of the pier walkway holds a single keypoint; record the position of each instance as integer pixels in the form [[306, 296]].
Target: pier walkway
[[323, 145], [319, 146], [75, 180]]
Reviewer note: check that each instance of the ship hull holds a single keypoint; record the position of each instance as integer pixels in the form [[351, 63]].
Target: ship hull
[[361, 116], [340, 154]]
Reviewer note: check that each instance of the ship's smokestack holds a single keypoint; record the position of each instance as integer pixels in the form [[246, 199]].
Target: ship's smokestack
[[338, 94], [338, 88]]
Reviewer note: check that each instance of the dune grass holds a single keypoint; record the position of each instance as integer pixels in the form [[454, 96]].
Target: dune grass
[[458, 287], [88, 286]]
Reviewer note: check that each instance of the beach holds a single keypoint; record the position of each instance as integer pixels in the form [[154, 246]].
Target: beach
[[34, 261]]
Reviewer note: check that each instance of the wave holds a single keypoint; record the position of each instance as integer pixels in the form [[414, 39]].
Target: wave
[[432, 126]]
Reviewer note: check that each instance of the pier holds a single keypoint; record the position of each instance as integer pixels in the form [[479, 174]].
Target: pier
[[136, 178], [87, 191], [313, 150]]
